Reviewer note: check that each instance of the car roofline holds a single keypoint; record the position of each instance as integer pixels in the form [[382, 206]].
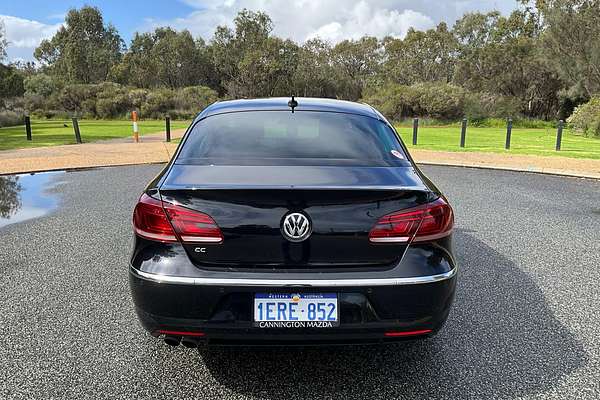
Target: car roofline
[[280, 104]]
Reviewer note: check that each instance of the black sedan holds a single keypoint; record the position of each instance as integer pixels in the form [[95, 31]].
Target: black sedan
[[301, 221]]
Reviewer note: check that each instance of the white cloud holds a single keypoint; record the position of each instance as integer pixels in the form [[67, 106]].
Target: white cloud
[[366, 20], [333, 20], [23, 33]]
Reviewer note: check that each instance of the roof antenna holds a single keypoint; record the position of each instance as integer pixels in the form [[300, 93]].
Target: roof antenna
[[292, 104]]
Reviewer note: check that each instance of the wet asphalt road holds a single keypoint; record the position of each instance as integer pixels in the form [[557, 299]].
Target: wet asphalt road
[[525, 322]]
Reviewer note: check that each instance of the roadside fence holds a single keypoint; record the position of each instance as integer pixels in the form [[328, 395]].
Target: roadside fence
[[30, 132], [509, 126]]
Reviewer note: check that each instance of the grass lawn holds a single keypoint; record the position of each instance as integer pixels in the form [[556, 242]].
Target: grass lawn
[[53, 132], [523, 141], [443, 138]]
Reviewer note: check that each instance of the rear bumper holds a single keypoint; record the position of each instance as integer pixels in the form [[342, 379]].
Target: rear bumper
[[290, 283], [221, 307]]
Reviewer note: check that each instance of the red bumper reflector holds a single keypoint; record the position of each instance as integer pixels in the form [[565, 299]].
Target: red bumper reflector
[[181, 333], [407, 333]]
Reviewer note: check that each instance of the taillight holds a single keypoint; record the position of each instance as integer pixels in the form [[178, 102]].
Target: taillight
[[165, 222], [428, 222], [193, 226], [150, 220]]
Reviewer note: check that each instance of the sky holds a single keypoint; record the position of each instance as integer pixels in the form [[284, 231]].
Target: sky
[[28, 22]]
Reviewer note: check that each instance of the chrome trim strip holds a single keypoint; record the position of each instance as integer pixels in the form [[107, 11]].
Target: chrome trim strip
[[396, 239], [185, 280], [201, 239]]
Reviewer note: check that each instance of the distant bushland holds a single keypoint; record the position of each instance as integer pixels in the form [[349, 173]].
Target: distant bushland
[[112, 100], [537, 63]]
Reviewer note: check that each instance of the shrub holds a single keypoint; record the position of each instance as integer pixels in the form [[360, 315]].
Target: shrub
[[11, 111], [51, 113], [439, 100], [194, 99], [394, 101], [586, 118], [11, 82], [436, 100], [10, 118], [158, 103], [180, 103], [480, 106], [137, 97], [40, 85], [34, 102], [76, 98], [112, 101]]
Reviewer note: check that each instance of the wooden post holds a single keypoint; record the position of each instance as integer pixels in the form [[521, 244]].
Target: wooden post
[[508, 133], [415, 130], [76, 130], [28, 127], [463, 132], [559, 134], [136, 132], [168, 127]]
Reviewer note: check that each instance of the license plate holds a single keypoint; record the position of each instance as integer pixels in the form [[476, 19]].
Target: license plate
[[282, 310]]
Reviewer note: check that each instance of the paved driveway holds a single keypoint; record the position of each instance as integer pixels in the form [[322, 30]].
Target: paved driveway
[[525, 322]]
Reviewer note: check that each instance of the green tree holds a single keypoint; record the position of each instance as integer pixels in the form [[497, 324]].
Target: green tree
[[164, 57], [229, 47], [11, 82], [314, 74], [571, 41], [82, 51], [421, 56], [500, 55], [266, 70], [356, 62], [138, 67], [251, 63]]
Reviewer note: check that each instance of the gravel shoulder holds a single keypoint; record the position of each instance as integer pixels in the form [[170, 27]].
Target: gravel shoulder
[[557, 165]]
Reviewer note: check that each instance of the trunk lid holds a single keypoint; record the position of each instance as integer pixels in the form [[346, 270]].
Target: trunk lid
[[249, 203]]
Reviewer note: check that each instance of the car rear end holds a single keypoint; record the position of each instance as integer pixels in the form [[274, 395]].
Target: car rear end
[[272, 227]]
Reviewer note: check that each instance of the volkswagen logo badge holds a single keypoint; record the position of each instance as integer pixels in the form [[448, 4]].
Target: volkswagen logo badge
[[296, 227]]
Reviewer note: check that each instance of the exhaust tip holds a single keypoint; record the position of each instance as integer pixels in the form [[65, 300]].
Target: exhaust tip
[[172, 340]]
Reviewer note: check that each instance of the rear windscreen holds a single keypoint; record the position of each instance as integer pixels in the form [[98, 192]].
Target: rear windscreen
[[300, 138]]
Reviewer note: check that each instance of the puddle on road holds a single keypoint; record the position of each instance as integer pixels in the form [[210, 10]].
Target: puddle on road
[[26, 196]]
